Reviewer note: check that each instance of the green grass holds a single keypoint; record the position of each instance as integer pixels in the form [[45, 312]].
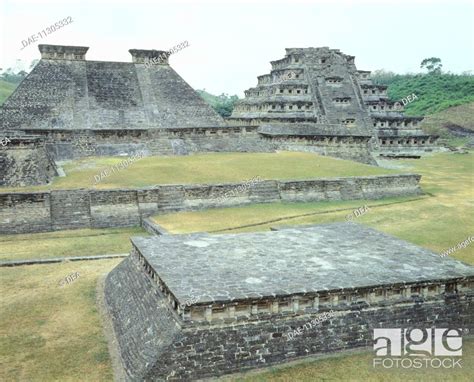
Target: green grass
[[204, 168], [83, 242], [52, 333], [258, 217], [6, 88], [358, 367], [436, 222]]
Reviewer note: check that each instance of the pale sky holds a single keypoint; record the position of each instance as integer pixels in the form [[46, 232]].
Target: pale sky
[[233, 42]]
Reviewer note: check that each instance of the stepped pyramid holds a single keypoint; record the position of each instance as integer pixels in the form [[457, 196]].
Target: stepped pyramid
[[319, 92], [64, 91]]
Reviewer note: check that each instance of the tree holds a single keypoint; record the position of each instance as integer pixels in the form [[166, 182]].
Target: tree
[[432, 64], [223, 104], [11, 77]]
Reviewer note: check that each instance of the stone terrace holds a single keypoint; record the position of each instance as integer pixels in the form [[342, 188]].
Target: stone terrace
[[209, 277], [185, 307]]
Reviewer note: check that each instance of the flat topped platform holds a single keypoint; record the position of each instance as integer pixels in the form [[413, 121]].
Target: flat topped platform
[[202, 268]]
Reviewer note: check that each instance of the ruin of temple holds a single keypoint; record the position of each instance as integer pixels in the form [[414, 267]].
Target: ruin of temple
[[315, 97]]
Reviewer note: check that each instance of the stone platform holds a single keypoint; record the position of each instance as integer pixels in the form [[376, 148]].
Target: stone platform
[[199, 305]]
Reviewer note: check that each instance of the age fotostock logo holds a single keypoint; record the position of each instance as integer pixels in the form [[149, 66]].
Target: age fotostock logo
[[417, 348]]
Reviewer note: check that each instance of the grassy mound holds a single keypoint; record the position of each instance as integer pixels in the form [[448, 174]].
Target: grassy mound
[[203, 168]]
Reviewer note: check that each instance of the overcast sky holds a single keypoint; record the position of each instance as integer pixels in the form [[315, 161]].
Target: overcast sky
[[232, 42]]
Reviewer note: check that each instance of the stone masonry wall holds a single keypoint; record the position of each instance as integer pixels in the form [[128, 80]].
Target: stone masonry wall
[[147, 330], [349, 148], [70, 144], [70, 209], [25, 163]]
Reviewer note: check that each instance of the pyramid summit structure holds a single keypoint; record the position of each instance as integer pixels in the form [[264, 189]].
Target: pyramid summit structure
[[64, 91], [322, 90]]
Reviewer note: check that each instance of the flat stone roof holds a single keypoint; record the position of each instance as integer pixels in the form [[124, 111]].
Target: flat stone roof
[[221, 268]]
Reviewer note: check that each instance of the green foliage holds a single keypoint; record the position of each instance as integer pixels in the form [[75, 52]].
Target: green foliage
[[13, 78], [223, 104], [432, 64], [435, 92]]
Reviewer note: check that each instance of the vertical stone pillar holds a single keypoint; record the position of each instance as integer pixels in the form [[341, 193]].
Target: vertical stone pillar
[[275, 306], [296, 305], [371, 297], [254, 309], [208, 313], [406, 292], [316, 303], [424, 292]]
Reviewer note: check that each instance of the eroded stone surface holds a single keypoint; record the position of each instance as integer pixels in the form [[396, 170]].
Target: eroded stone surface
[[313, 259]]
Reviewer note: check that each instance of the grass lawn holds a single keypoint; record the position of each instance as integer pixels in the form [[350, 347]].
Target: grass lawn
[[48, 332], [203, 168], [82, 242], [436, 222]]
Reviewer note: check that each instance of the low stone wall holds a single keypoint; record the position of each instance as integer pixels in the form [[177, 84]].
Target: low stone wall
[[22, 212]]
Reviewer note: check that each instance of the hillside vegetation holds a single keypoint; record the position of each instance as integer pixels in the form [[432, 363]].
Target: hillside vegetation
[[454, 125], [455, 118], [434, 92], [223, 104]]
